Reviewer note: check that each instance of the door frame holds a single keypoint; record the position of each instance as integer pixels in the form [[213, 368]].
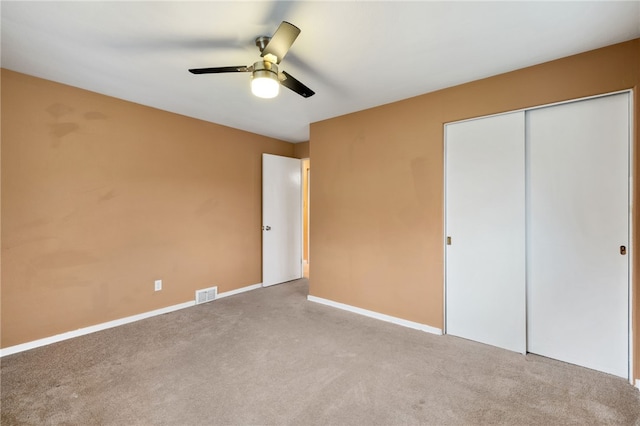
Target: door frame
[[631, 210]]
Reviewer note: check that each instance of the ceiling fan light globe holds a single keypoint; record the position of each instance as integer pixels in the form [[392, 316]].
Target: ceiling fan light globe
[[265, 87], [264, 80]]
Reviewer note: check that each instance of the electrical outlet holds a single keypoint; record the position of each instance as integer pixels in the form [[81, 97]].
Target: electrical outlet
[[158, 285]]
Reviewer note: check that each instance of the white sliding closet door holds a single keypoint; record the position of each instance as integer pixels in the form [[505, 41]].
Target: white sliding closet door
[[485, 211], [578, 174]]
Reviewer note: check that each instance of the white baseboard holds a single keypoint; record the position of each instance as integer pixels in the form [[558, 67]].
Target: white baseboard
[[238, 290], [110, 324], [376, 315], [92, 329]]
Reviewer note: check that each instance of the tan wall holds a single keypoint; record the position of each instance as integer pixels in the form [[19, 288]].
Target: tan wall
[[377, 192], [301, 150], [100, 197]]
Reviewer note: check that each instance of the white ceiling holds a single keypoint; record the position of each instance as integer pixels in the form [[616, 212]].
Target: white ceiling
[[353, 54]]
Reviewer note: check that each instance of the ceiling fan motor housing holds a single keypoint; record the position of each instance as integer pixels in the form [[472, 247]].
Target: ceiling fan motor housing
[[265, 69]]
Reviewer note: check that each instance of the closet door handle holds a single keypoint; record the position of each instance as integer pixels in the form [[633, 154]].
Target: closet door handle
[[623, 250]]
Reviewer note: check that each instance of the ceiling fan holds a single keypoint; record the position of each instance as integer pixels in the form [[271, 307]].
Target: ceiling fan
[[265, 77]]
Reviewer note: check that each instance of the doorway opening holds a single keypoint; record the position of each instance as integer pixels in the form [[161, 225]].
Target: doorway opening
[[306, 179]]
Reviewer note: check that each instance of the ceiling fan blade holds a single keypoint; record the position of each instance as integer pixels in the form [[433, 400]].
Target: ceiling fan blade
[[281, 41], [218, 70], [291, 83]]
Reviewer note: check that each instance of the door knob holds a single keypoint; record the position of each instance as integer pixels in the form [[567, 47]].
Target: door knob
[[623, 250], [266, 228]]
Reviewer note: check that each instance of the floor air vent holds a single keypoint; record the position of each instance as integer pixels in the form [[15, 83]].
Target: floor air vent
[[206, 295]]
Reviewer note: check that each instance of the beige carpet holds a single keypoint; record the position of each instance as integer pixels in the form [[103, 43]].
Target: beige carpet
[[271, 357]]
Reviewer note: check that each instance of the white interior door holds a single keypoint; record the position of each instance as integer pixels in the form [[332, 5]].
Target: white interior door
[[281, 219], [485, 211], [578, 162]]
